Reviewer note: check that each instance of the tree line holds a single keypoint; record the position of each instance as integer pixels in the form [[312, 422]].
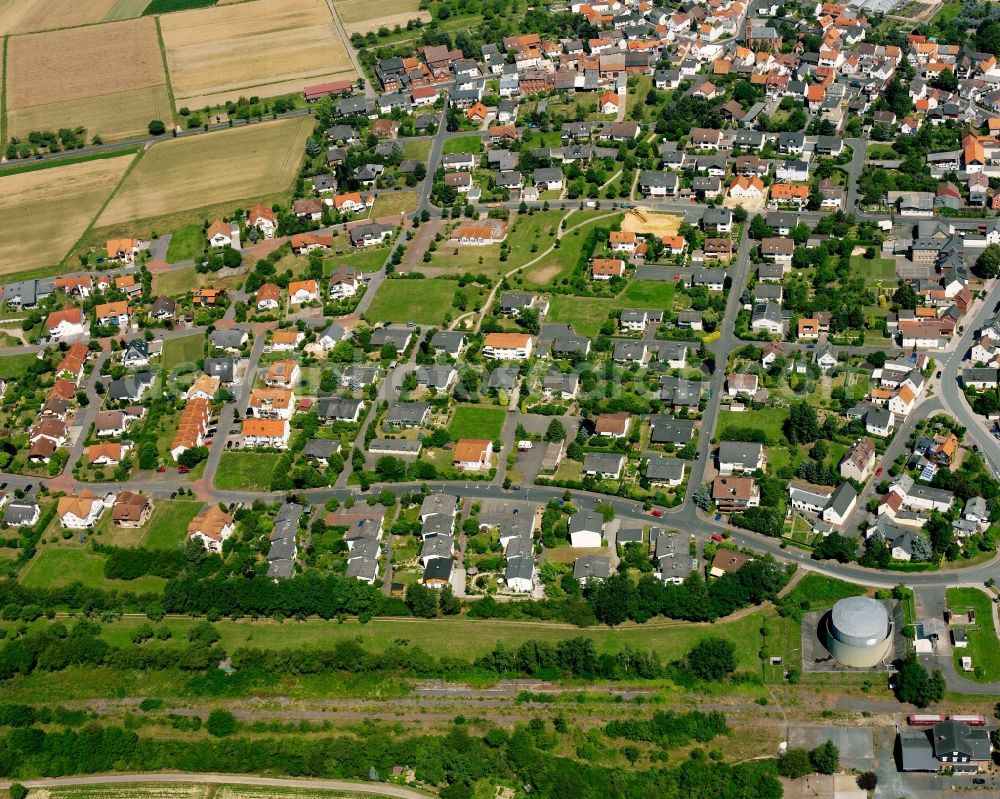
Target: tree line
[[453, 762]]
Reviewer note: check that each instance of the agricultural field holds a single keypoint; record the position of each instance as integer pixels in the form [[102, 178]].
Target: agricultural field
[[29, 16], [43, 213], [246, 163], [115, 87], [471, 421], [361, 16], [264, 48]]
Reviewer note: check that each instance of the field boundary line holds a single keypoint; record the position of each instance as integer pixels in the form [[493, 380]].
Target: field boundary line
[[3, 91], [39, 166], [242, 88], [166, 70], [107, 200]]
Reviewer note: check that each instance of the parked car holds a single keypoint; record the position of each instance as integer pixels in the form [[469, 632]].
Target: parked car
[[183, 470], [878, 472], [716, 536], [656, 512]]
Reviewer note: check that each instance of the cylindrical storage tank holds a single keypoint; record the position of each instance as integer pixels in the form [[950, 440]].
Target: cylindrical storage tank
[[858, 632]]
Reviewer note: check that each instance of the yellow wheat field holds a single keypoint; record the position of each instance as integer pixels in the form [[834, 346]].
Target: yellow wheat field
[[26, 16], [230, 166], [108, 78], [43, 213], [256, 48], [353, 11]]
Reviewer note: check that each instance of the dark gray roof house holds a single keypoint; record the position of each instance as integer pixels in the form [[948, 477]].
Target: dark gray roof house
[[222, 368], [503, 378], [668, 430], [130, 388], [398, 336], [408, 414]]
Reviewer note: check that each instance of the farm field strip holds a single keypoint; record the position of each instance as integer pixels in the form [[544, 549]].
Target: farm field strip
[[115, 86], [29, 16], [43, 213], [222, 50], [229, 166]]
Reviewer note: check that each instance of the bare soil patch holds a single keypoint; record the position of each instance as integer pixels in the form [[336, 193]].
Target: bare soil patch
[[659, 224]]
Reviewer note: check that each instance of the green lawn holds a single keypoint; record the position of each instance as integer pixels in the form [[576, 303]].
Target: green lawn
[[369, 259], [821, 592], [587, 314], [466, 638], [882, 152], [187, 349], [188, 242], [394, 203], [246, 471], [14, 365], [417, 148], [984, 648], [463, 144], [168, 525], [421, 301], [57, 566], [876, 269], [472, 421], [770, 420]]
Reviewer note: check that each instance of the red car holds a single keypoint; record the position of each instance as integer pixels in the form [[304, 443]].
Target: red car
[[878, 471], [656, 512], [717, 537], [162, 469], [183, 470]]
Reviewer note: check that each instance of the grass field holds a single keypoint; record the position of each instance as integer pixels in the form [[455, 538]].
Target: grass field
[[56, 566], [819, 591], [471, 421], [168, 525], [394, 203], [187, 242], [587, 314], [245, 471], [529, 236], [126, 9], [876, 269], [183, 280], [115, 87], [266, 48], [417, 148], [14, 365], [984, 647], [463, 144], [467, 638], [770, 420], [26, 16], [43, 213], [186, 349], [421, 301], [186, 174]]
